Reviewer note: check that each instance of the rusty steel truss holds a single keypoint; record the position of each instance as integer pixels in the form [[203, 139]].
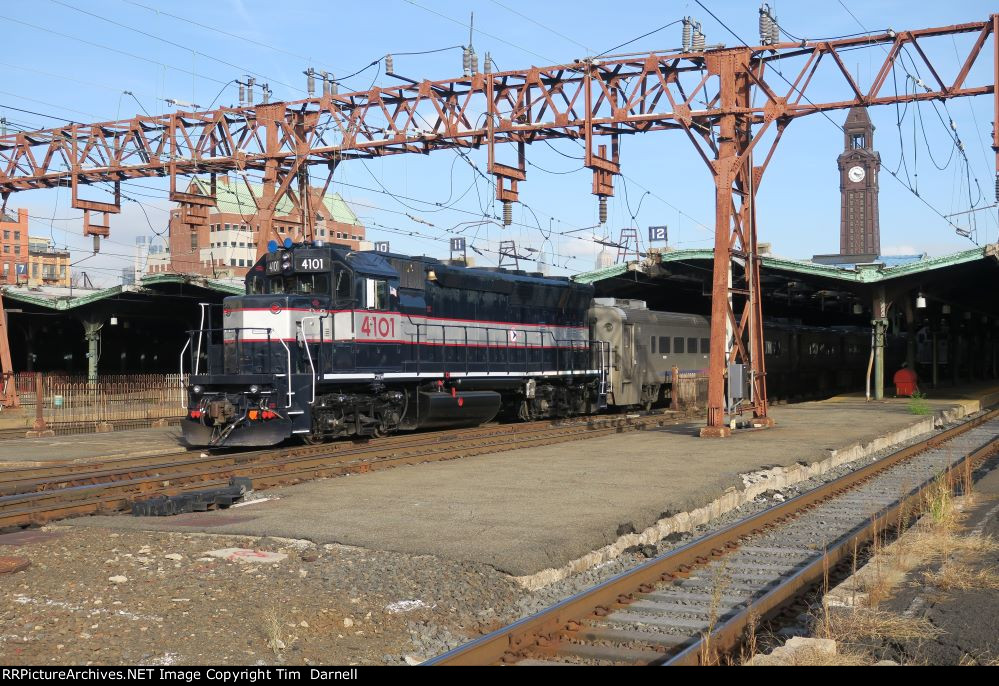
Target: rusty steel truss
[[725, 100]]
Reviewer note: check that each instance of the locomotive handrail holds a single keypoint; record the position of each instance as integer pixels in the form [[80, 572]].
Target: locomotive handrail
[[572, 347], [235, 329], [288, 352], [197, 359], [182, 351], [308, 353]]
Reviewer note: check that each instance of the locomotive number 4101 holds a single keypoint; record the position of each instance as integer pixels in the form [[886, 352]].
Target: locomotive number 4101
[[311, 264], [378, 327]]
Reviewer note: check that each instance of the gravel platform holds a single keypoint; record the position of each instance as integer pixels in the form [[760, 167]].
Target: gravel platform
[[530, 510], [323, 604]]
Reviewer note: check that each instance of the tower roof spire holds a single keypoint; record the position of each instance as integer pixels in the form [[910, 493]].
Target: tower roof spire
[[858, 119]]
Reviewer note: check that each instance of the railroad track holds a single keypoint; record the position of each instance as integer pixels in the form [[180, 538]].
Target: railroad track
[[696, 603], [38, 494]]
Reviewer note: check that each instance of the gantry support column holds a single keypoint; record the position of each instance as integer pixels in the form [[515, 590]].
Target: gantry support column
[[269, 115], [880, 324], [8, 390], [92, 334], [936, 360], [734, 339], [910, 331]]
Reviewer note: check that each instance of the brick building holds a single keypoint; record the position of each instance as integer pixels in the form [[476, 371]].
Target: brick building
[[226, 245], [13, 247], [46, 265]]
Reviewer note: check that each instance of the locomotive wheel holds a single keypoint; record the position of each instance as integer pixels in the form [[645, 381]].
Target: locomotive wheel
[[314, 439]]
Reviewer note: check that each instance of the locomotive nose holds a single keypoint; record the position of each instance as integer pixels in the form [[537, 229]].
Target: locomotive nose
[[254, 303]]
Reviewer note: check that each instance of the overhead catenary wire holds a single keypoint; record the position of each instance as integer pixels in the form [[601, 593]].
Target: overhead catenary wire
[[174, 44], [828, 118], [951, 129], [484, 33], [479, 174], [112, 49], [544, 26]]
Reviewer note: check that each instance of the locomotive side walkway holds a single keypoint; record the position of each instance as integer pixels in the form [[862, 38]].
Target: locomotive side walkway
[[542, 513]]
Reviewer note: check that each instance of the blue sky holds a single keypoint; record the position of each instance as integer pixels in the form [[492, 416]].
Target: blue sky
[[64, 63]]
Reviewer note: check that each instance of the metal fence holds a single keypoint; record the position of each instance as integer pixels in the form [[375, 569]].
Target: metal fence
[[71, 404]]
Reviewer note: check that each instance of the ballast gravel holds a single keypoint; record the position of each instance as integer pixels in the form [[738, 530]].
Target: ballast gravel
[[91, 596]]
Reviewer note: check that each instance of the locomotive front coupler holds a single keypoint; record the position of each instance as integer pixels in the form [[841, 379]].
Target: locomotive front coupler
[[228, 429]]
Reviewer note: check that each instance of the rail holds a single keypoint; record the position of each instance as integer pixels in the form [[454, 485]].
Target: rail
[[668, 591], [35, 494]]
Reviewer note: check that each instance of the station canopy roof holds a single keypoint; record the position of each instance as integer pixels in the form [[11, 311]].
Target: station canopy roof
[[166, 284], [680, 280]]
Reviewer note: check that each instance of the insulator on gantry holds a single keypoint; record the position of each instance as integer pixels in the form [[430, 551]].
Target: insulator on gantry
[[687, 30], [389, 64], [507, 213], [249, 89], [466, 61], [486, 66], [242, 93], [699, 40], [602, 209], [326, 83], [310, 81], [765, 24], [997, 186], [774, 30], [334, 89], [474, 61]]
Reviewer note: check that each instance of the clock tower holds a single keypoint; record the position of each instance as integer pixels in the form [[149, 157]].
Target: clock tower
[[859, 230]]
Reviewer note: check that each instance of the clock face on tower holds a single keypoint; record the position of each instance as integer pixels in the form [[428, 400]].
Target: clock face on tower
[[856, 174]]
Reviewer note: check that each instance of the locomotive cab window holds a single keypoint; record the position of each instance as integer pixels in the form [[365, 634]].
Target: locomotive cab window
[[343, 285], [376, 294], [306, 284], [256, 286]]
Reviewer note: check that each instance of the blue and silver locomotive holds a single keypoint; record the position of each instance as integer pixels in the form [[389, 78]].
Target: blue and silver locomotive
[[329, 342]]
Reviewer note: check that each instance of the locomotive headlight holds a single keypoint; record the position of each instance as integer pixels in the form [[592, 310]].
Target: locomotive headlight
[[196, 389], [254, 389]]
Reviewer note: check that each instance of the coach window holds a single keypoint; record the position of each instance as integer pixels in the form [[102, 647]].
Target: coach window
[[678, 345], [692, 345], [705, 345], [653, 344], [664, 345]]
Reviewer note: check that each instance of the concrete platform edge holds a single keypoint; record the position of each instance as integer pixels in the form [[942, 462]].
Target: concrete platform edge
[[757, 483]]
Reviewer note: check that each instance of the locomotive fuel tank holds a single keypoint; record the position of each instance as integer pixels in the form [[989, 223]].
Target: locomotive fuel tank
[[457, 409]]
